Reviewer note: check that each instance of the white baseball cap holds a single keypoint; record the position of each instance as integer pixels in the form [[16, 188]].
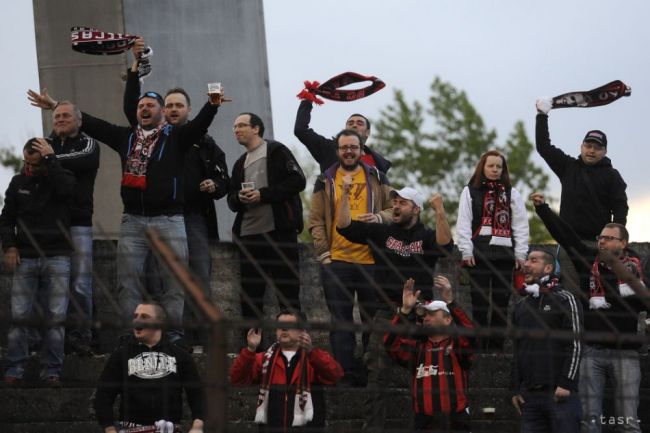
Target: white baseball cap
[[410, 194], [435, 306]]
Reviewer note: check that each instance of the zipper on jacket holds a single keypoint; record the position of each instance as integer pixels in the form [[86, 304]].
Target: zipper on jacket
[[174, 185], [286, 403]]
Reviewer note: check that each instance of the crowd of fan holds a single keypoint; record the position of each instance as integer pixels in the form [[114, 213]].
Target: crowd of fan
[[372, 246]]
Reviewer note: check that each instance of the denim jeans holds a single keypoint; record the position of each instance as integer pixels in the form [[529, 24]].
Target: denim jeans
[[341, 280], [200, 262], [81, 284], [623, 369], [132, 251], [39, 291], [540, 413]]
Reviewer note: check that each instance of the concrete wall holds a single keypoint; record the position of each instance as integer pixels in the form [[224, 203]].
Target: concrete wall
[[194, 42]]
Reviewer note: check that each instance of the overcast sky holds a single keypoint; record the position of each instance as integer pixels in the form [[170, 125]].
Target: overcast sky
[[503, 53]]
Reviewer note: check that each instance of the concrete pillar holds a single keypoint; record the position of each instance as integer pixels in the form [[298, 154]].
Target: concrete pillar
[[194, 42]]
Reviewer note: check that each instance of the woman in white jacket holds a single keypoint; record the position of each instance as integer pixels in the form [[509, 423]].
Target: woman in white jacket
[[492, 237]]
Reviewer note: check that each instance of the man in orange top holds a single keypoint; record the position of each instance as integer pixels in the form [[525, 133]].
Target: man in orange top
[[346, 267]]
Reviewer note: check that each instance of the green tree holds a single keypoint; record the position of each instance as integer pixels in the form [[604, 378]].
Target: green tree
[[437, 147], [11, 159]]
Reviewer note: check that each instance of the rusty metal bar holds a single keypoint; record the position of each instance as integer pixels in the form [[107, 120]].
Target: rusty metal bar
[[216, 398]]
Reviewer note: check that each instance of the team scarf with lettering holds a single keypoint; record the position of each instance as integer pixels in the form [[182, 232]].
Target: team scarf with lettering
[[602, 95], [331, 89], [96, 42], [495, 220], [546, 285], [137, 161], [303, 409], [597, 289]]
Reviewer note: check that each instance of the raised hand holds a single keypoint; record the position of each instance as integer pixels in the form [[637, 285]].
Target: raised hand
[[409, 297], [444, 285], [41, 100], [537, 198], [253, 339], [436, 202]]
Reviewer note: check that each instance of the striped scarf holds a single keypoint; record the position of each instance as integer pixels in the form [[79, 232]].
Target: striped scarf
[[137, 161], [597, 298], [303, 409]]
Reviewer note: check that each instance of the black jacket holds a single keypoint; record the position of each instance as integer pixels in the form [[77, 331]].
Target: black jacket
[[286, 180], [38, 208], [164, 194], [150, 382], [592, 196], [622, 316], [324, 149], [204, 160], [80, 155], [400, 254], [548, 361]]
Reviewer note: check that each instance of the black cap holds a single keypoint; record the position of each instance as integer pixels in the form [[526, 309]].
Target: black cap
[[153, 95], [596, 136]]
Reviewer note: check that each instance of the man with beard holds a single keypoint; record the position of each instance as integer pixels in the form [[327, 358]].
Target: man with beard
[[324, 149], [347, 267], [404, 249], [545, 369], [611, 308], [205, 180], [153, 160], [265, 191], [149, 374]]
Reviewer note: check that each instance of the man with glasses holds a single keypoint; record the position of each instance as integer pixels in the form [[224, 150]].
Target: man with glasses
[[34, 229], [612, 300], [593, 192], [152, 154], [265, 191], [324, 149], [347, 267]]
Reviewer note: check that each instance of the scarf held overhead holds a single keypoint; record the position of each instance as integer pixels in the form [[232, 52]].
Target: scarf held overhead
[[88, 40], [303, 409], [495, 220], [597, 298], [602, 95], [331, 89]]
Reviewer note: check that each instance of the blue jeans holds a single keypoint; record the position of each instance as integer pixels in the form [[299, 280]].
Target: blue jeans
[[623, 369], [341, 280], [200, 262], [81, 284], [540, 413], [39, 291], [132, 251]]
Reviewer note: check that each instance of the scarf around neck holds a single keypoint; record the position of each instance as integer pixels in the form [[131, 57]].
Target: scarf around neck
[[303, 409], [137, 160], [597, 298], [496, 220]]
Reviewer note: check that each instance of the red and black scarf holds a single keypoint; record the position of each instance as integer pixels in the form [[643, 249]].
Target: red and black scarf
[[597, 298], [137, 161], [602, 95], [331, 89], [303, 409], [88, 40], [496, 219]]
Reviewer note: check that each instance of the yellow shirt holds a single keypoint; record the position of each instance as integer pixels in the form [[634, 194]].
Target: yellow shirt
[[341, 248]]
